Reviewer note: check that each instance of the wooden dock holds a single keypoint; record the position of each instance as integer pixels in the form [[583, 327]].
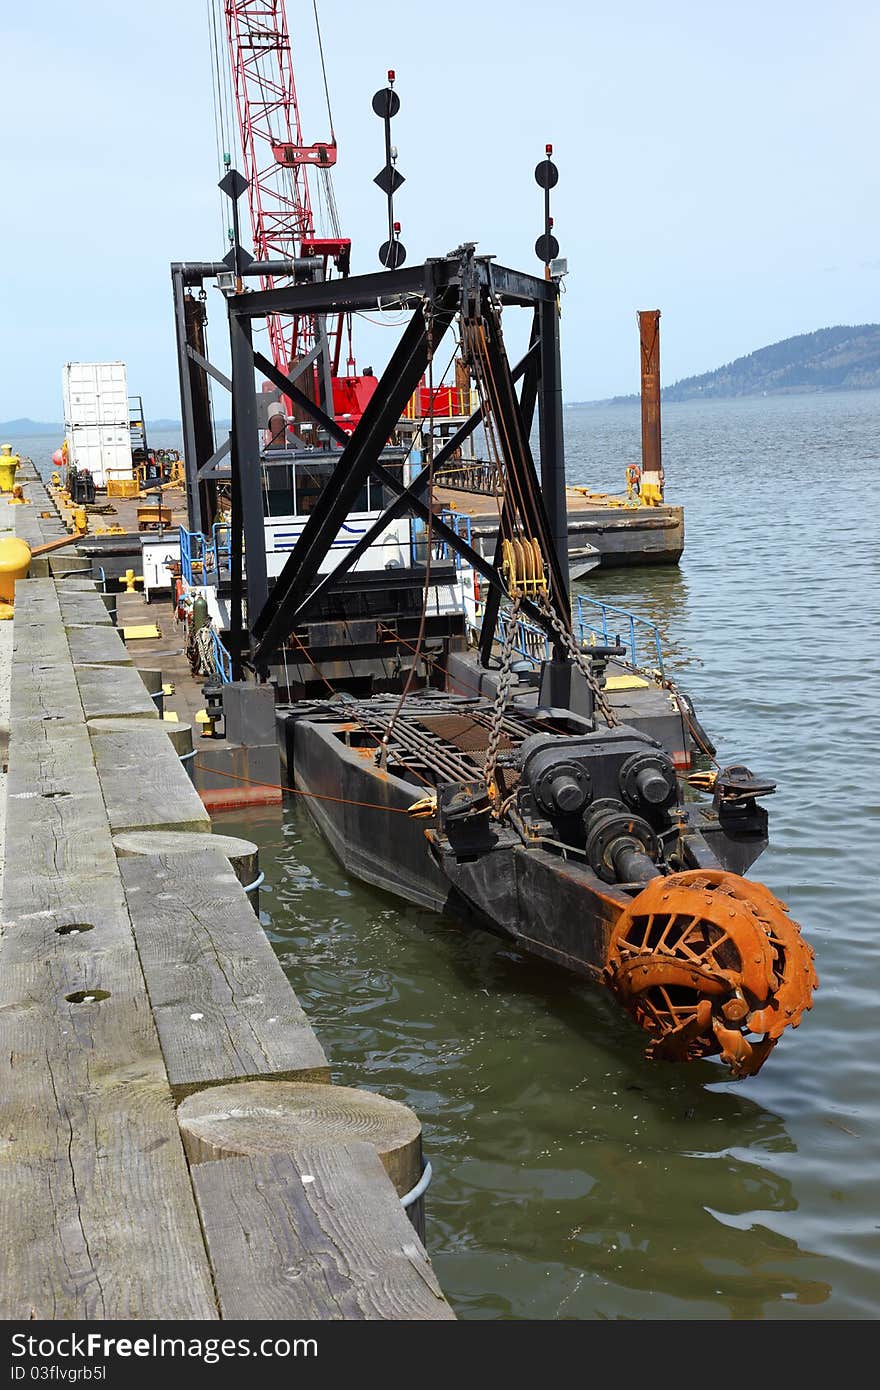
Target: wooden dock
[[131, 982]]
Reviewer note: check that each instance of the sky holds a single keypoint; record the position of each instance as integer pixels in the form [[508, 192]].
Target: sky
[[716, 162]]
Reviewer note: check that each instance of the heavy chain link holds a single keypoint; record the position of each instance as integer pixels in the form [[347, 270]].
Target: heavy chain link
[[567, 640], [502, 697]]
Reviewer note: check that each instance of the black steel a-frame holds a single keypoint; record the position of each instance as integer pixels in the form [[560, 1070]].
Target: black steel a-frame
[[436, 292]]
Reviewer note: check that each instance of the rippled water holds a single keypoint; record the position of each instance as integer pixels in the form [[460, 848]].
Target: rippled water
[[573, 1179]]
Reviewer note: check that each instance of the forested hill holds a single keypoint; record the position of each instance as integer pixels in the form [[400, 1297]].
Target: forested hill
[[845, 358]]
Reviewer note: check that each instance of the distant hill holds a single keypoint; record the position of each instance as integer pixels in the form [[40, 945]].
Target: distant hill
[[26, 428], [846, 358]]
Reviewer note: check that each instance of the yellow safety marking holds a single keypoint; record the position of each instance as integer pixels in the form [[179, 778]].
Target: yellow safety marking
[[625, 683], [170, 717], [143, 630], [202, 717]]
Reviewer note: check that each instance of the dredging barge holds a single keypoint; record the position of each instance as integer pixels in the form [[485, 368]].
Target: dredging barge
[[527, 796]]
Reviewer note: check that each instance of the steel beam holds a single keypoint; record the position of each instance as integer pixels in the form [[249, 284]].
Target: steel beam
[[271, 373], [190, 458], [358, 459], [194, 272], [522, 478], [528, 396], [246, 464], [400, 506], [208, 367], [209, 469], [552, 442], [420, 281]]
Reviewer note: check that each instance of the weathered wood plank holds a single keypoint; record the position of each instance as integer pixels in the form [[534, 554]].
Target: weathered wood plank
[[243, 855], [180, 735], [314, 1235], [223, 1006], [144, 783], [97, 645], [83, 607], [96, 1207], [114, 692]]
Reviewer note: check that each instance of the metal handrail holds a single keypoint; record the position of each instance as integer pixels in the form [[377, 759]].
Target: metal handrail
[[632, 627], [221, 547], [533, 643], [222, 658]]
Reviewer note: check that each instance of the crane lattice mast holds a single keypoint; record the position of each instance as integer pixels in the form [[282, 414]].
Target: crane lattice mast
[[276, 162]]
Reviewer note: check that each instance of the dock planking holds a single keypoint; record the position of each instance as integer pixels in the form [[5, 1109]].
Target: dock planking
[[81, 607], [113, 692], [144, 784], [97, 644], [316, 1234], [223, 1005], [95, 1200], [126, 985]]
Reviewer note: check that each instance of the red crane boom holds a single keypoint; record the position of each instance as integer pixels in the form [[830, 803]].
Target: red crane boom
[[276, 162]]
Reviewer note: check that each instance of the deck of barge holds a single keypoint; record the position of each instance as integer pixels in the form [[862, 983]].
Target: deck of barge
[[131, 983], [603, 532]]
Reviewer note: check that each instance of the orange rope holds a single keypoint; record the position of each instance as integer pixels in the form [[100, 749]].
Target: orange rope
[[295, 791]]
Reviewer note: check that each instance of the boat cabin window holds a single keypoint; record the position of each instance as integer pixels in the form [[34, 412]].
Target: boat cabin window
[[293, 488]]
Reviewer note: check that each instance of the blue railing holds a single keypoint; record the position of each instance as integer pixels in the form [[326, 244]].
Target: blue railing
[[595, 621], [200, 558], [459, 522], [222, 658], [530, 641], [192, 546], [221, 537], [533, 643]]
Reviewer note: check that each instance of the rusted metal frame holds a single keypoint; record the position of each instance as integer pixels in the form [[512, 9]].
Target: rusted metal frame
[[649, 351]]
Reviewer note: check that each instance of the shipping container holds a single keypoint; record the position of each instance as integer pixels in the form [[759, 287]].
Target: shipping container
[[96, 422]]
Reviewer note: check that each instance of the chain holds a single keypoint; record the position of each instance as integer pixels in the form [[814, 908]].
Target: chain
[[566, 638], [502, 697]]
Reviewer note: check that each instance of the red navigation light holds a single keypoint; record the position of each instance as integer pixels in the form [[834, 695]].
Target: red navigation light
[[390, 74], [397, 227], [548, 149]]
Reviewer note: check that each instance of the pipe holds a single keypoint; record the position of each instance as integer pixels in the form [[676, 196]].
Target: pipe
[[420, 1188], [194, 272]]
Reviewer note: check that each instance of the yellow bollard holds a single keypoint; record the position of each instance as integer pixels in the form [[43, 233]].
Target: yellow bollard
[[8, 467], [79, 518], [129, 582], [15, 559]]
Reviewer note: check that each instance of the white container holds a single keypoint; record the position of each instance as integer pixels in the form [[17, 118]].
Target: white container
[[96, 419]]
